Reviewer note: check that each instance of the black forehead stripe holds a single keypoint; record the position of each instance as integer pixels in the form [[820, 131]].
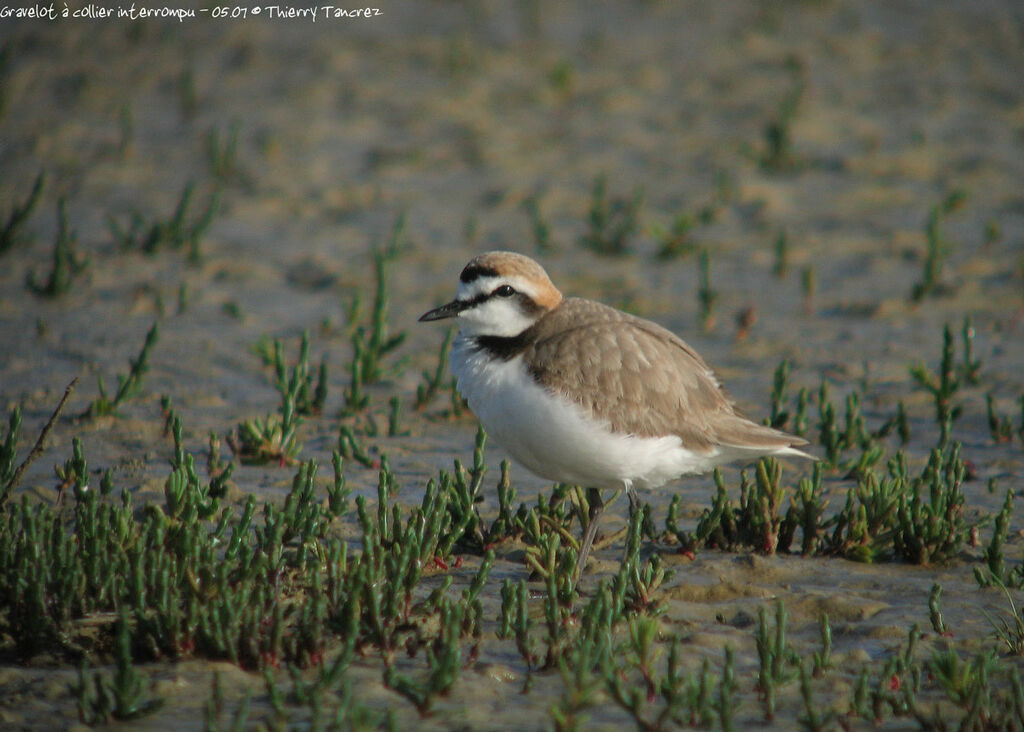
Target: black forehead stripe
[[475, 271]]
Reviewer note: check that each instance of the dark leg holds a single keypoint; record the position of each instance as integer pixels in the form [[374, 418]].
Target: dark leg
[[636, 506], [634, 502], [596, 507]]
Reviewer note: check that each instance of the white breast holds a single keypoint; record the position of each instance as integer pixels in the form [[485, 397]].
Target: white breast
[[557, 439]]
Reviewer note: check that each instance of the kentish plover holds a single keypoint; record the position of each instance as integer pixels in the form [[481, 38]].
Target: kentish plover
[[582, 393]]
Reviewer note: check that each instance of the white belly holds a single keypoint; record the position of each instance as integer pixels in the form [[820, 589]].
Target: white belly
[[558, 440]]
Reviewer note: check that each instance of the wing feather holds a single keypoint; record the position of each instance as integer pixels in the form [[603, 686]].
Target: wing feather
[[640, 378]]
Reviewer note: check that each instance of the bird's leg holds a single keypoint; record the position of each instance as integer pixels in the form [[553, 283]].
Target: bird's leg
[[634, 502], [636, 506], [593, 513]]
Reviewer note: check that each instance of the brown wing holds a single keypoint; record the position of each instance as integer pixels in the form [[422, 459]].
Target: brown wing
[[640, 378]]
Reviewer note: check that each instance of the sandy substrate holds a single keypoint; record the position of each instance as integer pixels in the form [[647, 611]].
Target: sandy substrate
[[454, 115]]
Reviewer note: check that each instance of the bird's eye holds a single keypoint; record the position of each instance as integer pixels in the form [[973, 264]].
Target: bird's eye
[[505, 291]]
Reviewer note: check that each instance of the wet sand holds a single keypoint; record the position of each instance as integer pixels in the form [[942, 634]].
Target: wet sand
[[454, 115]]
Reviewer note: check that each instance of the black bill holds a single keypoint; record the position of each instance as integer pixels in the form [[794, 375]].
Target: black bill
[[450, 310]]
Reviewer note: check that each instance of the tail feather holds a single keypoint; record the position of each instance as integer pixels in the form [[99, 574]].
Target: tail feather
[[749, 439]]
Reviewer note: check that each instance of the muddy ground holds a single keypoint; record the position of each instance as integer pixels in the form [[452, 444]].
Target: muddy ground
[[454, 116]]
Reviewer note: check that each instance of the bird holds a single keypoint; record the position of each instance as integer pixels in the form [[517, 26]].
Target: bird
[[581, 393]]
